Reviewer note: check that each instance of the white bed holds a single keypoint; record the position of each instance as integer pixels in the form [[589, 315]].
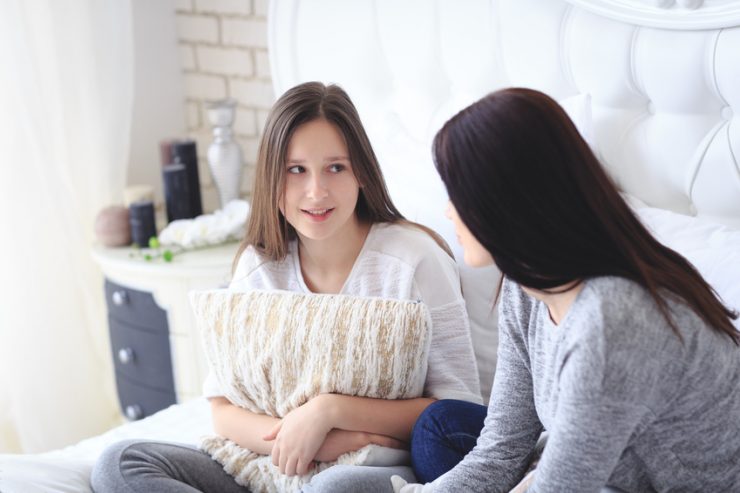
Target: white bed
[[654, 85]]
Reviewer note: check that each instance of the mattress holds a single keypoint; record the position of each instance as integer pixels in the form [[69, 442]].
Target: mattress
[[68, 469]]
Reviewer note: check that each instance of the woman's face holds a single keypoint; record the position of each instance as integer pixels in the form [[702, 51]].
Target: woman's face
[[321, 190], [474, 253]]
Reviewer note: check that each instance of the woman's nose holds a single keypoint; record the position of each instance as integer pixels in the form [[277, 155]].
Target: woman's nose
[[449, 210]]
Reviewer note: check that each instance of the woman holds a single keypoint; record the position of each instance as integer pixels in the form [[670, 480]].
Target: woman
[[609, 341]]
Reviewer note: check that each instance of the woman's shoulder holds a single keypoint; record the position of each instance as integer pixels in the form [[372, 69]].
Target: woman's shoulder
[[622, 313], [617, 300], [611, 300]]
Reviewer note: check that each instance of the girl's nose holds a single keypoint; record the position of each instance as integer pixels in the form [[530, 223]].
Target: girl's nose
[[316, 187]]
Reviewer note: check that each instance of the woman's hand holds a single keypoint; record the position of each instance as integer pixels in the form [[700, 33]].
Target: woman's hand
[[401, 486], [299, 436], [340, 442]]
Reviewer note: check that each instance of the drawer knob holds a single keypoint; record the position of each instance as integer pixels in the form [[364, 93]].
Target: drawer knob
[[133, 411], [120, 297], [125, 355]]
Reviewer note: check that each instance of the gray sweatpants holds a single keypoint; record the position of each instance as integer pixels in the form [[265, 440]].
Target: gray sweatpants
[[134, 466]]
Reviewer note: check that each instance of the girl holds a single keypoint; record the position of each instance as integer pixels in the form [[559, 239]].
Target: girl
[[610, 341], [321, 221]]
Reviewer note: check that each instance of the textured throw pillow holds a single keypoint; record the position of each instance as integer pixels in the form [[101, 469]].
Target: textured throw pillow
[[272, 351]]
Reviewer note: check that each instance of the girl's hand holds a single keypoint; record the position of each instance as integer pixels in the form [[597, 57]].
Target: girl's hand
[[340, 442], [298, 436]]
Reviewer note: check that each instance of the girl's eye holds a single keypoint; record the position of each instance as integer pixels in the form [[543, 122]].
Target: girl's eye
[[295, 169], [336, 168]]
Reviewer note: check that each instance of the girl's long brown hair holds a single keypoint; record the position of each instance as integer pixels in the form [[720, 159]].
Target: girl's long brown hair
[[532, 192], [267, 230]]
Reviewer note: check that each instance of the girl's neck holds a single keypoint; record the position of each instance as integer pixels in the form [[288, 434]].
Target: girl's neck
[[326, 264]]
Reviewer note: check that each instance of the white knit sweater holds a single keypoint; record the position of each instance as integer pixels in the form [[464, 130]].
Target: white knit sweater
[[397, 262]]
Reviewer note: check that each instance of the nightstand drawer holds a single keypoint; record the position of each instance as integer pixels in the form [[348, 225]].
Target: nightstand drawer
[[138, 401], [134, 307], [141, 355]]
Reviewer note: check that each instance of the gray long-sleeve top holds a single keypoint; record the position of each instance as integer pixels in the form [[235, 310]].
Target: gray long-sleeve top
[[624, 401]]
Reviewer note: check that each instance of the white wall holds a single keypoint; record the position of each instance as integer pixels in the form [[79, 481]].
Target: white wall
[[159, 110]]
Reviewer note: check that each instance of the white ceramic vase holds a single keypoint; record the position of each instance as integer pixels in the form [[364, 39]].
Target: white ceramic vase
[[224, 155]]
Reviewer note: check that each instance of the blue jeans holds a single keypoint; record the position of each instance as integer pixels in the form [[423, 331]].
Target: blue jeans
[[444, 433]]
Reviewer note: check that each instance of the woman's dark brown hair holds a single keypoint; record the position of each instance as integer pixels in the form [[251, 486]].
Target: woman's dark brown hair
[[267, 230], [534, 195]]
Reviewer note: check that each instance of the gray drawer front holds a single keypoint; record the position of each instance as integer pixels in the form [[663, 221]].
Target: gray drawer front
[[142, 400], [134, 307], [142, 356]]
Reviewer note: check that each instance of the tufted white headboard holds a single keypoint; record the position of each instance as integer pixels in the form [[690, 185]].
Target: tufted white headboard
[[663, 78]]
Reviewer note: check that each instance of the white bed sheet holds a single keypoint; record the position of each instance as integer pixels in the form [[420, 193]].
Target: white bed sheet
[[68, 469]]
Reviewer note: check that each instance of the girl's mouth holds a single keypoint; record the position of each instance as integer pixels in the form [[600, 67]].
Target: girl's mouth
[[318, 215]]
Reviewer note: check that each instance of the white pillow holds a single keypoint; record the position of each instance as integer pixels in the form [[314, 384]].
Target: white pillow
[[579, 110], [479, 287], [713, 248]]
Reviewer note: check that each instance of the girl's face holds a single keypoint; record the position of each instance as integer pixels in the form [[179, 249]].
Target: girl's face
[[321, 190], [475, 255]]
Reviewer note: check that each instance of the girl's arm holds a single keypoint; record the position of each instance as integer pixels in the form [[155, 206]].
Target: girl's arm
[[247, 429], [242, 426], [392, 418], [300, 434]]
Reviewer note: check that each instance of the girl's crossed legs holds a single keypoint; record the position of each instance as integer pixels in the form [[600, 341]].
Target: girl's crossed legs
[[133, 466]]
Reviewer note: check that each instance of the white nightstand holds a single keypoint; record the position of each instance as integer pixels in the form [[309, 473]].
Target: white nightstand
[[151, 323]]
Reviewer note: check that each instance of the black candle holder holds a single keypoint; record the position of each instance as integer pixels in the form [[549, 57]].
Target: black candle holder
[[141, 217], [184, 152], [177, 193]]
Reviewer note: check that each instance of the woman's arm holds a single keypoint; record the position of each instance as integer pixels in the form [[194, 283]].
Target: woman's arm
[[512, 426]]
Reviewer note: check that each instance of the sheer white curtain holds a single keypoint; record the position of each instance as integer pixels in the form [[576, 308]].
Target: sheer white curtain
[[66, 92]]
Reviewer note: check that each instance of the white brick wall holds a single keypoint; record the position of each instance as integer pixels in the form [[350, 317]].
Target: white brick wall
[[225, 61], [187, 57], [237, 7], [262, 64], [223, 53], [260, 7], [244, 32], [184, 5], [196, 28]]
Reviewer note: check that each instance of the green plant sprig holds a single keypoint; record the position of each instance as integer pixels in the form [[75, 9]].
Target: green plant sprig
[[155, 251]]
